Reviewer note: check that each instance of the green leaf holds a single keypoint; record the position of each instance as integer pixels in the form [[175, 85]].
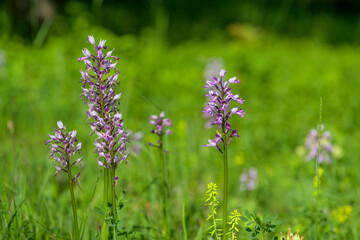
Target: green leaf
[[277, 222], [121, 205], [248, 229], [247, 214], [101, 211], [244, 219]]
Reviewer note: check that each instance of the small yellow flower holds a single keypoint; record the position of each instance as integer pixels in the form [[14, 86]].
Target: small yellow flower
[[342, 213], [239, 159]]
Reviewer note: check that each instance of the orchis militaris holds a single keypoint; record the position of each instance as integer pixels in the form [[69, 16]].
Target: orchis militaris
[[99, 81], [160, 123], [218, 108], [63, 147]]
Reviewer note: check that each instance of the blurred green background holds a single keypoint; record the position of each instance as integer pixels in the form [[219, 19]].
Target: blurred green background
[[286, 53]]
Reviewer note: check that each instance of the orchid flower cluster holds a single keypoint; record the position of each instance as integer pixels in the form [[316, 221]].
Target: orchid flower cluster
[[160, 123], [326, 147], [218, 108], [249, 180], [63, 147], [99, 94]]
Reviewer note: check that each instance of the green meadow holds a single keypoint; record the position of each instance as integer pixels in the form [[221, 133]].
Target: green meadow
[[282, 80]]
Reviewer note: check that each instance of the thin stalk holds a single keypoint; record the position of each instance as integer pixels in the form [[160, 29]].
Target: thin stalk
[[317, 171], [184, 220], [105, 227], [106, 181], [225, 201], [113, 195], [163, 187], [76, 228]]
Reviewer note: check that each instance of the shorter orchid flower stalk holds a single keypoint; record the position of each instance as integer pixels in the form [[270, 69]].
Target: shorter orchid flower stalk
[[218, 108], [160, 123], [63, 147]]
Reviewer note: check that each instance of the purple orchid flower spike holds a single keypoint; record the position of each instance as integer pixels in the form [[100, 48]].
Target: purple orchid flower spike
[[326, 147], [218, 107], [63, 146], [160, 124], [219, 110], [99, 81]]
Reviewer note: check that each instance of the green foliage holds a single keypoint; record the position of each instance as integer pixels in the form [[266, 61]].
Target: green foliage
[[212, 201], [281, 80], [260, 228]]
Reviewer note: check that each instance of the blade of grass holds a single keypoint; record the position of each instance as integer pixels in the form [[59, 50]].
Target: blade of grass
[[184, 221], [11, 220]]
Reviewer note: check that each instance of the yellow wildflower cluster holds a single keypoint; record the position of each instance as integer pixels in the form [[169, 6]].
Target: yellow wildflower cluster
[[212, 201], [234, 224], [212, 194], [342, 213]]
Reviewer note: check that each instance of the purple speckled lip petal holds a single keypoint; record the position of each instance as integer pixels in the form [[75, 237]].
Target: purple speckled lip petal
[[218, 107], [99, 81]]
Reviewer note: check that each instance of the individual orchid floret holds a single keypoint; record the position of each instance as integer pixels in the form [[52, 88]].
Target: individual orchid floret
[[326, 147], [63, 146], [290, 236], [99, 81], [218, 107], [249, 180]]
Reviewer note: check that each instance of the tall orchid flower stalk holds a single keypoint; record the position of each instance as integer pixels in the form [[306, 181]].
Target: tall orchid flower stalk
[[63, 146], [218, 108], [99, 81], [160, 124]]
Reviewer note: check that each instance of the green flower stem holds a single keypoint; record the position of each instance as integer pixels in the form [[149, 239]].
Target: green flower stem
[[317, 172], [163, 187], [113, 195], [76, 228], [225, 201], [106, 183], [105, 228]]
